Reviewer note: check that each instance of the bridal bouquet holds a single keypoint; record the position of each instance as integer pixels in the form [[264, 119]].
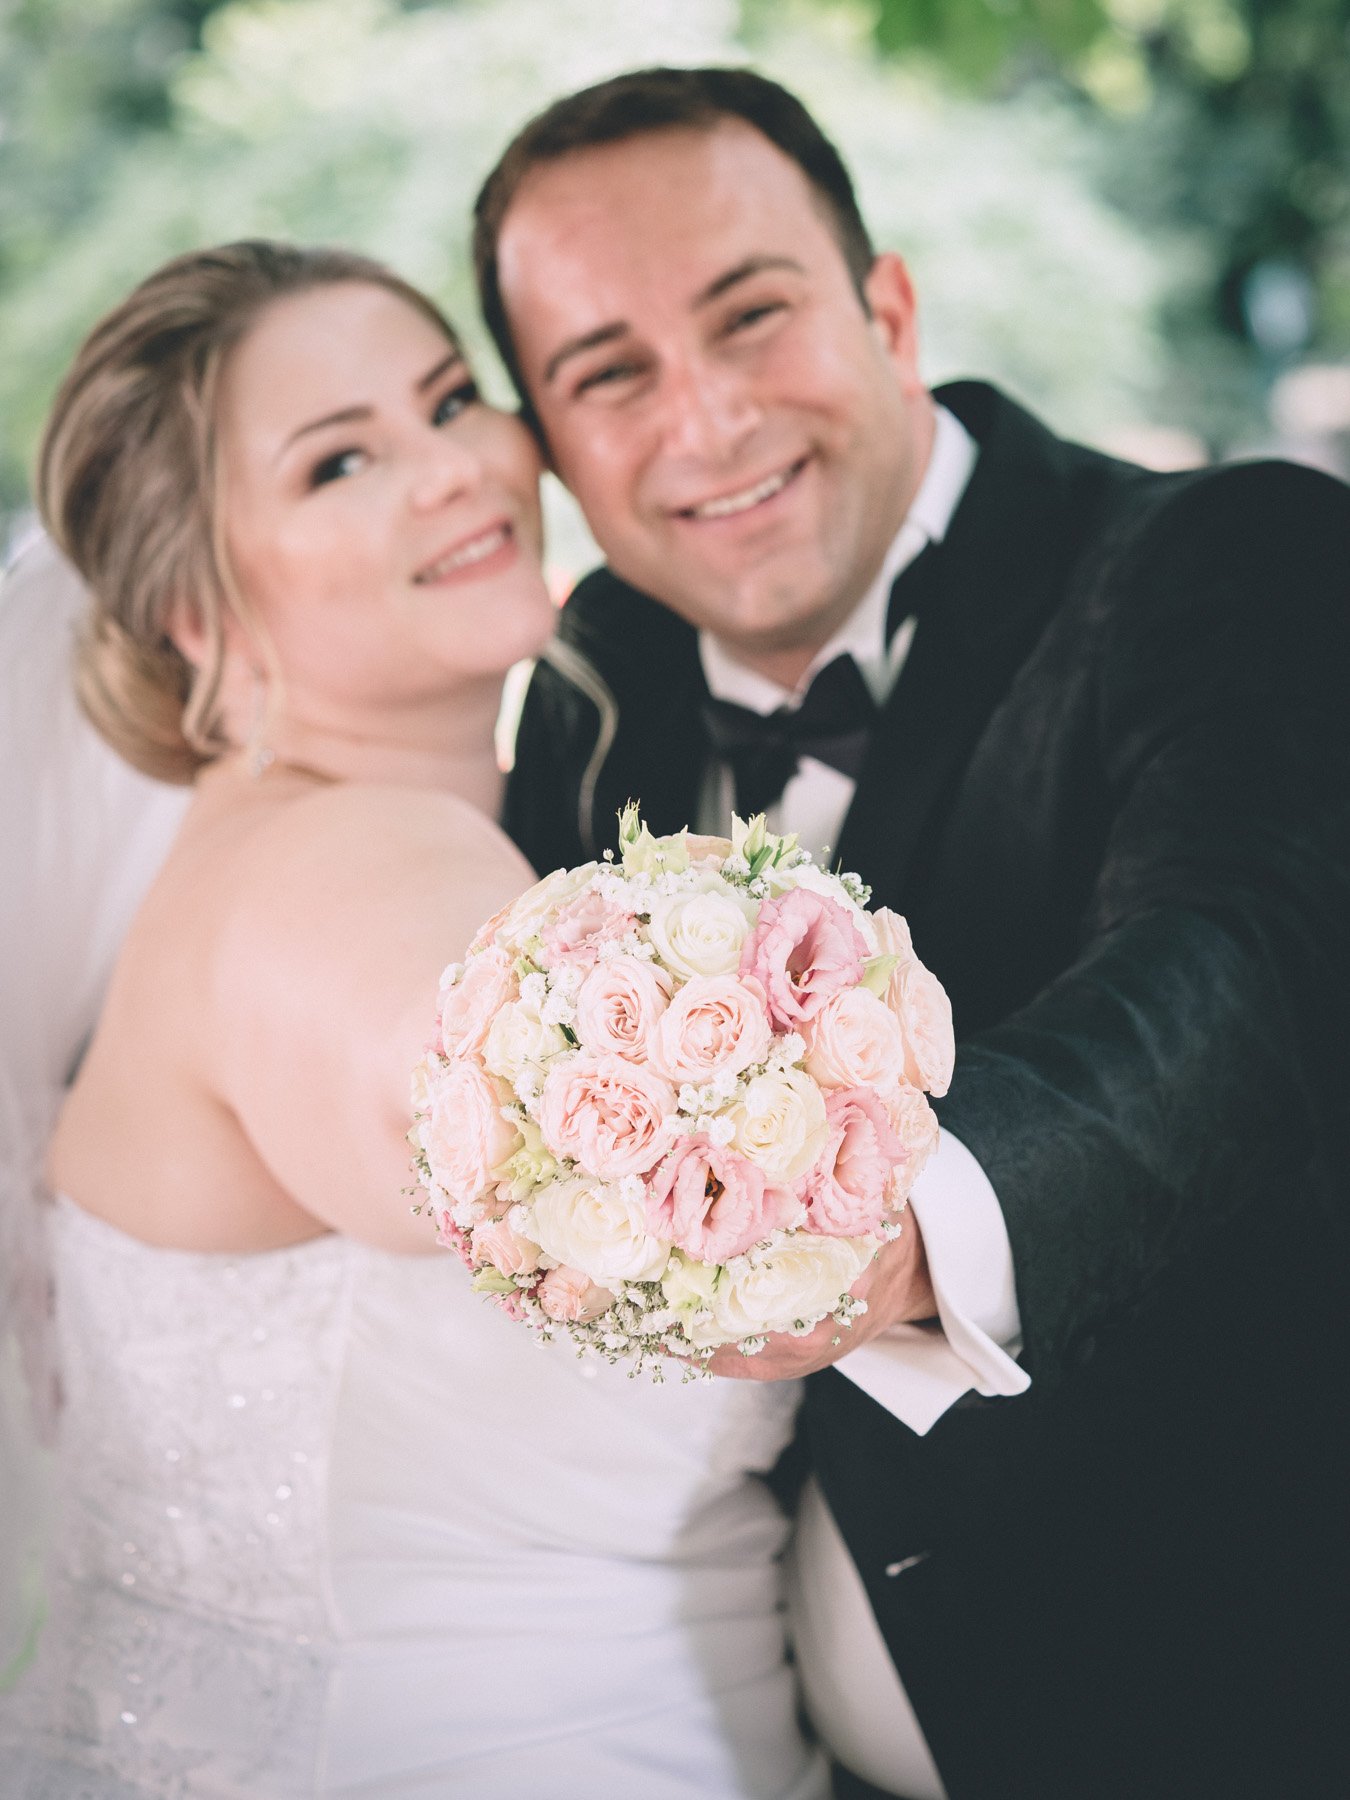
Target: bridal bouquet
[[677, 1099]]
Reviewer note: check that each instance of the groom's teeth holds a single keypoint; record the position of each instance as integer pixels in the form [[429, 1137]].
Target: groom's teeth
[[474, 551], [748, 497]]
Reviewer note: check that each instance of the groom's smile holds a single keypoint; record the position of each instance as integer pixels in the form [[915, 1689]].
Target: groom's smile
[[743, 434]]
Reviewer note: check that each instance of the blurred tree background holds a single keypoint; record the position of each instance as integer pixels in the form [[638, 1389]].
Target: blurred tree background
[[1135, 213]]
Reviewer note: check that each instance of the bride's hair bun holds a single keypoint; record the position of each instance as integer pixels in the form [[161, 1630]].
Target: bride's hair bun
[[127, 486]]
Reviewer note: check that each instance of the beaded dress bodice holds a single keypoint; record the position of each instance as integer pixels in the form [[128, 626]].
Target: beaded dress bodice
[[331, 1525]]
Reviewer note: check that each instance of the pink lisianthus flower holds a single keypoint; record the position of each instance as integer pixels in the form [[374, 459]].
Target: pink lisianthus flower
[[568, 1295], [611, 1116], [450, 1237], [804, 949], [715, 1203], [846, 1192], [582, 926]]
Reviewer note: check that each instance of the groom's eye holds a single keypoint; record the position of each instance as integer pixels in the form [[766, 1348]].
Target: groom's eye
[[750, 316], [451, 405], [608, 375]]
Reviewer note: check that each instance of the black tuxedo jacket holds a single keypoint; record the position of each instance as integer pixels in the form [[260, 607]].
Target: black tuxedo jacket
[[1111, 793]]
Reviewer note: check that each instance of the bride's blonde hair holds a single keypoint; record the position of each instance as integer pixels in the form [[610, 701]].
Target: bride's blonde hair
[[127, 486]]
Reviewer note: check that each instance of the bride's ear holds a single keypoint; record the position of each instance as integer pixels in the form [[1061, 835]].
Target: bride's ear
[[189, 633], [186, 631]]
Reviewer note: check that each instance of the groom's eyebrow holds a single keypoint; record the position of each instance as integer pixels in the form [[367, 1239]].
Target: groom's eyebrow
[[577, 346], [753, 265], [719, 285]]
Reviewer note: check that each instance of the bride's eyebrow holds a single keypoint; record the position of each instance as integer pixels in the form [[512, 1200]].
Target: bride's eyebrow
[[433, 375], [355, 415], [349, 415]]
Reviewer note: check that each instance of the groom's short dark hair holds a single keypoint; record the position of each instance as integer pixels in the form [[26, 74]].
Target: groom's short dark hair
[[646, 100]]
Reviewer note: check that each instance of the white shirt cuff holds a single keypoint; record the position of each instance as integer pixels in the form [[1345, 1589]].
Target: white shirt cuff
[[916, 1372]]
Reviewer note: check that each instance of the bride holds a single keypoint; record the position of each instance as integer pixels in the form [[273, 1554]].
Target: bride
[[329, 1523]]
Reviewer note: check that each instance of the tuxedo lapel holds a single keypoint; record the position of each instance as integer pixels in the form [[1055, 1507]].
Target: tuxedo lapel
[[998, 575]]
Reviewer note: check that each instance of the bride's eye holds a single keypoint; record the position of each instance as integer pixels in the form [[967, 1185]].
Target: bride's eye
[[451, 405], [336, 466]]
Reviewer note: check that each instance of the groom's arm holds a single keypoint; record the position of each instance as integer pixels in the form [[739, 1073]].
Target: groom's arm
[[1166, 1083]]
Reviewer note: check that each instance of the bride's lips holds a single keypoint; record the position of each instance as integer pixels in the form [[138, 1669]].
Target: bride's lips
[[749, 499], [483, 552]]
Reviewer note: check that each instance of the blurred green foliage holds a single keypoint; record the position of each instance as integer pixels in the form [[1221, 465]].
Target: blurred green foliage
[[1224, 124], [1082, 186]]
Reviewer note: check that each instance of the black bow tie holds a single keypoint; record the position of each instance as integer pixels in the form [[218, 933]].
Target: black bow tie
[[833, 724]]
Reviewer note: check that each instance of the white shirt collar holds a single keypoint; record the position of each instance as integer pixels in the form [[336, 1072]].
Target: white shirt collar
[[863, 633]]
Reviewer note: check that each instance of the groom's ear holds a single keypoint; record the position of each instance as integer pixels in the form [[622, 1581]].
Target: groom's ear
[[893, 311]]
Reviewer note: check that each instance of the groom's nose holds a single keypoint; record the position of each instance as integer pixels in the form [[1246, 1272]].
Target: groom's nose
[[707, 410]]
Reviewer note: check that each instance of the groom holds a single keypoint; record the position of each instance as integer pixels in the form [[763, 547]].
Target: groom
[[1081, 723]]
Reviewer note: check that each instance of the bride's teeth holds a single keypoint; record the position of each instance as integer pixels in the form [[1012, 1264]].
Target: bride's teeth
[[748, 497], [474, 551]]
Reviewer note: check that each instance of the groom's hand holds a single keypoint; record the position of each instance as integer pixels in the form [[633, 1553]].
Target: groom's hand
[[897, 1290]]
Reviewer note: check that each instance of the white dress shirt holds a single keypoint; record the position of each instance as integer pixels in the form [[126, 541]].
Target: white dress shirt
[[915, 1372]]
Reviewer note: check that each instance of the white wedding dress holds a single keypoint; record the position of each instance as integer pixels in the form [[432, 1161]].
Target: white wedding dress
[[330, 1524]]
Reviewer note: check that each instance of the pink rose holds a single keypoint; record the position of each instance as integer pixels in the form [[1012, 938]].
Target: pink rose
[[919, 1001], [569, 1295], [471, 1005], [609, 1115], [465, 1136], [496, 1242], [846, 1192], [619, 1004], [578, 931], [804, 949], [713, 1203], [915, 1124], [715, 1024], [855, 1041]]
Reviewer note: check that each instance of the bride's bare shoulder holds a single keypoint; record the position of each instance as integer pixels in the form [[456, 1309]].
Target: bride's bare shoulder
[[353, 870]]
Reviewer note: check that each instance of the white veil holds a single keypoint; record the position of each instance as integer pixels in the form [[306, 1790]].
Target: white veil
[[81, 837]]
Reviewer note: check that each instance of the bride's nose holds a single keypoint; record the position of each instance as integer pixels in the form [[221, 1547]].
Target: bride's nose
[[445, 467]]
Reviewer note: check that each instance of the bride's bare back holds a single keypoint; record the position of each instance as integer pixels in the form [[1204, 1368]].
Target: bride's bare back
[[248, 1085]]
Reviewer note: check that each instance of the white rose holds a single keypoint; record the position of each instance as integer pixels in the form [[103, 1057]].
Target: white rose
[[532, 910], [797, 1277], [701, 933], [780, 1123], [593, 1226], [518, 1038]]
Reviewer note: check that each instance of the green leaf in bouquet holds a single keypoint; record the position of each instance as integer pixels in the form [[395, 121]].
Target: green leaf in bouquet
[[491, 1281], [877, 972]]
